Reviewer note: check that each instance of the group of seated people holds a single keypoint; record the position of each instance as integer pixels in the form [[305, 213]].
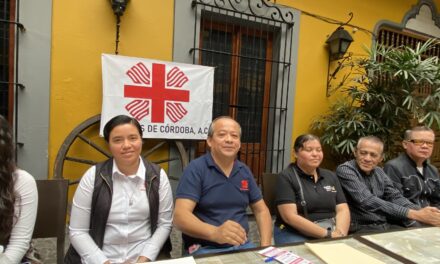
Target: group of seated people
[[361, 196], [122, 210]]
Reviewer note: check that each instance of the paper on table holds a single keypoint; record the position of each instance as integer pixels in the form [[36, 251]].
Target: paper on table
[[283, 256], [185, 260], [339, 253]]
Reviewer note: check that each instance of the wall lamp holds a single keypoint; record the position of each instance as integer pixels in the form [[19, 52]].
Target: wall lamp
[[118, 7], [338, 44]]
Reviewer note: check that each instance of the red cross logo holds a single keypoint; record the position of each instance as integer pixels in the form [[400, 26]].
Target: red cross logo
[[244, 185], [155, 92]]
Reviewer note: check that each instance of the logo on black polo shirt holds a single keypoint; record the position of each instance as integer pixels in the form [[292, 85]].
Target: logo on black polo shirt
[[244, 185], [329, 188]]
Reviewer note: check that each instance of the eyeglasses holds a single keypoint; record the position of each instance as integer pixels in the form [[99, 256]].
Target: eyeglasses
[[420, 142]]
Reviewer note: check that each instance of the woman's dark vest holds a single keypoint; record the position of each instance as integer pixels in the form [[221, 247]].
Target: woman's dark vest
[[102, 199]]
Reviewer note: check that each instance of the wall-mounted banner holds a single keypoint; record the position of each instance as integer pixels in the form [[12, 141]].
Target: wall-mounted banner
[[170, 100]]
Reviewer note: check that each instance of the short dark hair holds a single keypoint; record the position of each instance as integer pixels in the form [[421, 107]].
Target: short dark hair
[[300, 140], [408, 133], [211, 126], [120, 120]]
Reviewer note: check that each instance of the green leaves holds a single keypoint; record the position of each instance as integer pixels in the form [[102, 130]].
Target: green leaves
[[380, 96]]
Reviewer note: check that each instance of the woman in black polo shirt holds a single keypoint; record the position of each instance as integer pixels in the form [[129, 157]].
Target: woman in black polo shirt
[[308, 210]]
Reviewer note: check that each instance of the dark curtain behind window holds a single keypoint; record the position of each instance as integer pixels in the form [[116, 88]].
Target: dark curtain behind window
[[5, 108]]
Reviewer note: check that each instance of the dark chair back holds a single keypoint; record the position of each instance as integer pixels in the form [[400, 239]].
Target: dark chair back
[[51, 214], [268, 189]]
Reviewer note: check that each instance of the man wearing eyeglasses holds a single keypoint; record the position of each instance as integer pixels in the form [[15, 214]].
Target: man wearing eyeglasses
[[411, 172], [371, 195]]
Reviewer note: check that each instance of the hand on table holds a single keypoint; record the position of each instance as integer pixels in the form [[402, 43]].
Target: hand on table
[[337, 233], [429, 215], [230, 232]]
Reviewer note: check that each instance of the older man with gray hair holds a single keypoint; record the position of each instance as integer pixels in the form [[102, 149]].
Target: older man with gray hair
[[371, 195]]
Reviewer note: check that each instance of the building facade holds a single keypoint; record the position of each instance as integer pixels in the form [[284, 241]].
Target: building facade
[[271, 60]]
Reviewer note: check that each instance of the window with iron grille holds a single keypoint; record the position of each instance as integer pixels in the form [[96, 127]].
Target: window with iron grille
[[394, 37], [252, 55], [6, 90]]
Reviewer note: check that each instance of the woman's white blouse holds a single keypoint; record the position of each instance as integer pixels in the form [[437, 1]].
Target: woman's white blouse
[[127, 233], [25, 211]]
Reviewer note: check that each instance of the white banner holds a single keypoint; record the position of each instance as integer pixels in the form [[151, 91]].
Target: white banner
[[170, 100]]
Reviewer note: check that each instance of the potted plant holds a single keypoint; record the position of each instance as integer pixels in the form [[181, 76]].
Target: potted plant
[[383, 94]]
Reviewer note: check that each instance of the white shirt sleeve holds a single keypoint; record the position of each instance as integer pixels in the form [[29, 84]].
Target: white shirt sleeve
[[26, 204], [165, 219], [80, 221]]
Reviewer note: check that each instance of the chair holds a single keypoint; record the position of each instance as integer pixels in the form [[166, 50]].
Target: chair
[[51, 213], [268, 189]]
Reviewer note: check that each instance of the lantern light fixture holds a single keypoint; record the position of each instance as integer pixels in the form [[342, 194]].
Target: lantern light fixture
[[338, 44]]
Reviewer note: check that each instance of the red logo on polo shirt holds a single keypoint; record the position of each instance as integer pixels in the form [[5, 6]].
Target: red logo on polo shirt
[[244, 185]]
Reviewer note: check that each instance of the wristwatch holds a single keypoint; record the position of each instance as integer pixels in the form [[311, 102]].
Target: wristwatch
[[329, 233]]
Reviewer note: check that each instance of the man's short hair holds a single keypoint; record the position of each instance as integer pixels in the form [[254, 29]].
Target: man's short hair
[[408, 133], [211, 126], [372, 139]]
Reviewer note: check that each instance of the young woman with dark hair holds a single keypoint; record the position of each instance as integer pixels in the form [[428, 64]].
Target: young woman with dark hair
[[18, 202], [309, 199], [122, 208]]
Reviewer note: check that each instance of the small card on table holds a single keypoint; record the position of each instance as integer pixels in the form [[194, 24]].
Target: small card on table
[[283, 256]]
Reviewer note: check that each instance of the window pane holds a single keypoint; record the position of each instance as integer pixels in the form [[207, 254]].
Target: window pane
[[215, 40], [251, 87], [4, 57]]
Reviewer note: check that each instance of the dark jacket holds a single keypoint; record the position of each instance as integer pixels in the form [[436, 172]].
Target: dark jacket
[[423, 190], [102, 199]]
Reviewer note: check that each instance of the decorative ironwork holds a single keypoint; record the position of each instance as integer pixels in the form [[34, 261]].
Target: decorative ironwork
[[257, 8], [338, 43], [348, 21], [118, 25], [275, 12], [345, 61], [118, 7]]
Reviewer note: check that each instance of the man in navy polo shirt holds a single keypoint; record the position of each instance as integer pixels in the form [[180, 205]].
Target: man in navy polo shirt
[[213, 194]]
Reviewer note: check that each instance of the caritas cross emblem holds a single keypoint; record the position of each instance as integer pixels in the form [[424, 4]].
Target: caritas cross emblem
[[157, 92]]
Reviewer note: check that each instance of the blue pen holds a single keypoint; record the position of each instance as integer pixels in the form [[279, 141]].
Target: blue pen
[[269, 259]]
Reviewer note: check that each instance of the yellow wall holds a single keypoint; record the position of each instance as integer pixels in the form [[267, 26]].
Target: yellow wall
[[310, 97], [81, 31]]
